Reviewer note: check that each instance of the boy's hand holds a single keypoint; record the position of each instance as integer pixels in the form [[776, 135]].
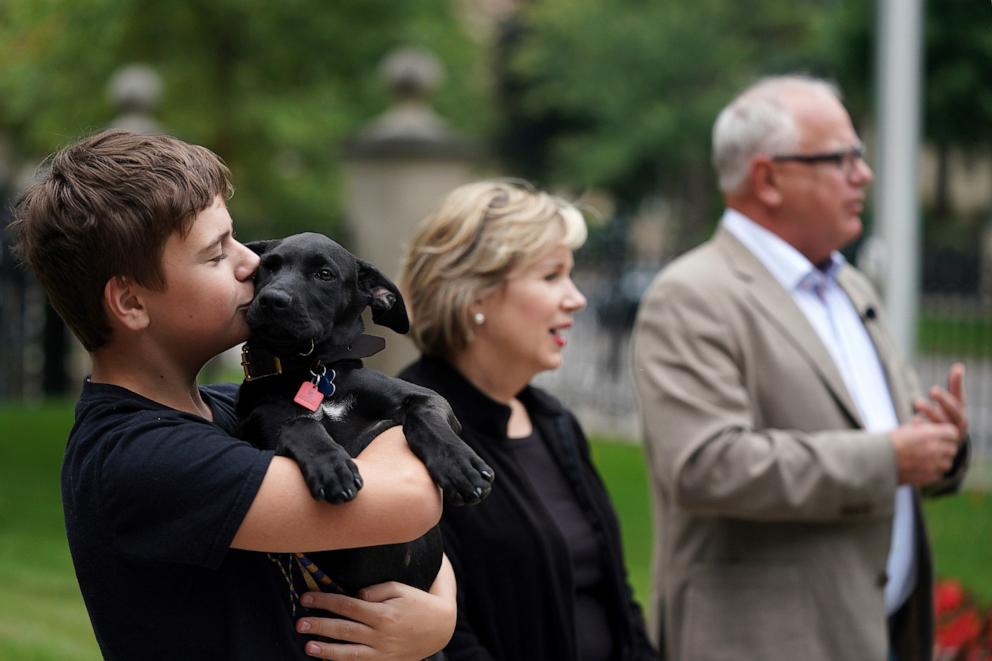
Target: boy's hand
[[391, 621]]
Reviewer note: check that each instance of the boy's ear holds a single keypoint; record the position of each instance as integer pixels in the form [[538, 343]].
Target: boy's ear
[[388, 308], [124, 304], [261, 247]]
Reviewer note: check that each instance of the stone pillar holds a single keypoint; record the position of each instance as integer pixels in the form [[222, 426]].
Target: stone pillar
[[397, 169]]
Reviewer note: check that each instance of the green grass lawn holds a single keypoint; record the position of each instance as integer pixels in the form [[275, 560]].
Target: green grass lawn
[[42, 615], [41, 611], [955, 333]]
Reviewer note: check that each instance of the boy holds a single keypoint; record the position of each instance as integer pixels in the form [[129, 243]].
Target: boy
[[179, 532]]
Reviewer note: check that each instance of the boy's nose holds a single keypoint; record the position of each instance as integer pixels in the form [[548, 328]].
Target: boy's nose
[[249, 264]]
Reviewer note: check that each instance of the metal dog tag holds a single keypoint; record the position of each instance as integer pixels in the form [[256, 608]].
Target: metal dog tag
[[308, 396], [326, 385]]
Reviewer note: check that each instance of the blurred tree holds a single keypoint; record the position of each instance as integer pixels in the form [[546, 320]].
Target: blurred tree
[[272, 87], [957, 116], [843, 41], [622, 94], [957, 111], [958, 85]]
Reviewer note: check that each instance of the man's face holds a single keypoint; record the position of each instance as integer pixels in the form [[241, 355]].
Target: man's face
[[822, 201]]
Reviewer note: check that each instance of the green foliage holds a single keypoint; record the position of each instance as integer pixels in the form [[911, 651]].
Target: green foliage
[[274, 88], [642, 82], [957, 83], [622, 94], [843, 39], [958, 90]]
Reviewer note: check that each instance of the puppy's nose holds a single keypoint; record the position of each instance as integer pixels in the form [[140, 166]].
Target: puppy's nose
[[275, 301]]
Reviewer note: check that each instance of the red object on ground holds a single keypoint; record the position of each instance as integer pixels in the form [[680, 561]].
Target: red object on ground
[[948, 596], [960, 631]]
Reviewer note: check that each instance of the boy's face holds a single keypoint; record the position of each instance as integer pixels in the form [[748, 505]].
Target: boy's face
[[208, 288]]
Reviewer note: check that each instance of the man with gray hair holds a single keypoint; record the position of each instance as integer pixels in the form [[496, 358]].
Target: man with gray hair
[[787, 440]]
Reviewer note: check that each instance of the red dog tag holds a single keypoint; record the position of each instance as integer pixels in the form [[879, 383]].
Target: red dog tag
[[308, 396]]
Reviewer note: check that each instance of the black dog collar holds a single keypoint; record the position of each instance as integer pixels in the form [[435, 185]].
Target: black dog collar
[[259, 363]]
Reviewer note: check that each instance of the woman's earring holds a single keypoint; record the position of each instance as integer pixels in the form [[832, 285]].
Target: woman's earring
[[479, 318]]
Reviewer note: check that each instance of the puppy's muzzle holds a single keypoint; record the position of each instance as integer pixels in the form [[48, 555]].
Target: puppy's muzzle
[[274, 301]]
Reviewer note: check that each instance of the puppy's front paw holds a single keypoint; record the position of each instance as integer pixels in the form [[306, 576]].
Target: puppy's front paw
[[463, 476], [332, 477], [327, 468]]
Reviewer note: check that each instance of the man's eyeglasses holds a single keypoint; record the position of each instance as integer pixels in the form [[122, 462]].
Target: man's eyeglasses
[[845, 159]]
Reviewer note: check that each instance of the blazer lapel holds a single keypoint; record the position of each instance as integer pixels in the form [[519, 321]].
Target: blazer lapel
[[769, 297]]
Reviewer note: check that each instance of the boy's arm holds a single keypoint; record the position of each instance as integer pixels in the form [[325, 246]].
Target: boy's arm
[[397, 503], [387, 621]]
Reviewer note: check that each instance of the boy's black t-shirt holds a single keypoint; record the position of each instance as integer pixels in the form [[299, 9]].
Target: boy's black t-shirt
[[152, 499]]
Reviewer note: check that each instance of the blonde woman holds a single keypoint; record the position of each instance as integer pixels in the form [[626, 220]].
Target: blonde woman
[[539, 563]]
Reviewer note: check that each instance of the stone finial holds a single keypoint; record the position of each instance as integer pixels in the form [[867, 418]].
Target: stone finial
[[411, 127], [135, 90], [412, 73]]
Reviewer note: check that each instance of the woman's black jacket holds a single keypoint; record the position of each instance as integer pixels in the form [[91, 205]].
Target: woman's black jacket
[[515, 592]]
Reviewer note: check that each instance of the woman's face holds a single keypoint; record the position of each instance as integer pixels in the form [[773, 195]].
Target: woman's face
[[528, 318]]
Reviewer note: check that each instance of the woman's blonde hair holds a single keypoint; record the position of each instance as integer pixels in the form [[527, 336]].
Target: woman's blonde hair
[[480, 234]]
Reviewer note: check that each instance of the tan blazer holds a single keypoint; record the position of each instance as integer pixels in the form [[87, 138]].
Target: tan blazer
[[773, 507]]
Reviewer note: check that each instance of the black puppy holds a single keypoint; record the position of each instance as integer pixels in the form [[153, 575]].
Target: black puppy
[[307, 396]]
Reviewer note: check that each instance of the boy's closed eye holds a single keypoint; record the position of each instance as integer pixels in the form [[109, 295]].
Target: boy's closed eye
[[215, 252]]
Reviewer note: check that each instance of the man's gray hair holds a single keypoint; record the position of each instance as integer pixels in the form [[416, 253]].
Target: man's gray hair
[[756, 122]]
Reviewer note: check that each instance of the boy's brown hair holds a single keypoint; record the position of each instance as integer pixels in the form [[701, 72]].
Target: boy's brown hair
[[104, 207]]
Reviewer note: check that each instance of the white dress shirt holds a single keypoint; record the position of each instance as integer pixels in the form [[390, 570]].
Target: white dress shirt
[[837, 322]]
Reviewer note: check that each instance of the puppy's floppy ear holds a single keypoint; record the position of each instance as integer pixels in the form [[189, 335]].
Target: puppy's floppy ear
[[261, 247], [388, 308]]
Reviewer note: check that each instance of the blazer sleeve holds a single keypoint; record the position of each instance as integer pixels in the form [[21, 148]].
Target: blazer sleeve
[[698, 406]]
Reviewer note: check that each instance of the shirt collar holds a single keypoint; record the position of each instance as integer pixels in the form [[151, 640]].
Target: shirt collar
[[786, 264]]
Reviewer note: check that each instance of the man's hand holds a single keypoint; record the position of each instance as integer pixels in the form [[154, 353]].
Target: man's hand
[[947, 406], [390, 621], [924, 451]]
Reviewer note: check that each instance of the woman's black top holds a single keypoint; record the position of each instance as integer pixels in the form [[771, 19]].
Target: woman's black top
[[594, 636], [519, 585]]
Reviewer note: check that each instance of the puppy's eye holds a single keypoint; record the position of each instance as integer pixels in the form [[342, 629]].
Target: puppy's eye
[[324, 274]]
